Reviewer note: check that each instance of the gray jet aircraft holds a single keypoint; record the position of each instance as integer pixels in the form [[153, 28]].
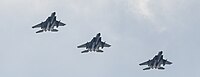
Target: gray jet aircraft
[[156, 62], [94, 44], [49, 24]]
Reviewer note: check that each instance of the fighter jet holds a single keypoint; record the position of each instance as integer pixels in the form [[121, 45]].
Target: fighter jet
[[94, 45], [156, 62], [49, 24]]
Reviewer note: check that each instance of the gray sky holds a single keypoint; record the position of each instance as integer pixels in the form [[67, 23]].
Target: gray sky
[[136, 29]]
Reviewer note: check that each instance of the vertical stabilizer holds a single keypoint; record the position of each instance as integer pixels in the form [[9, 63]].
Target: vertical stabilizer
[[161, 68], [99, 51], [148, 68], [39, 31], [85, 51]]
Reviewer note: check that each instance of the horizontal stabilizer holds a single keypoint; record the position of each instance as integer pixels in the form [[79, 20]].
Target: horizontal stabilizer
[[148, 68], [161, 68], [54, 30], [39, 31], [85, 51], [99, 51]]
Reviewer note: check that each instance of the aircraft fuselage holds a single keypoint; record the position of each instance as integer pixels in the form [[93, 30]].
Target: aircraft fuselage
[[50, 22], [95, 43]]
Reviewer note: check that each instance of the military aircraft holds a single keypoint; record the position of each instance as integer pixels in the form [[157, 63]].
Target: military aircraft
[[49, 24], [156, 62], [94, 45]]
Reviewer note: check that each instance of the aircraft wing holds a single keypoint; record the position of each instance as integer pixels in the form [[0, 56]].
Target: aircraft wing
[[58, 23], [167, 62], [104, 44], [38, 25], [145, 63], [83, 45]]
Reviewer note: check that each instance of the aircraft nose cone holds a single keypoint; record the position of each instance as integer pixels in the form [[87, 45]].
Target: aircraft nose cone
[[54, 13], [99, 34], [160, 52]]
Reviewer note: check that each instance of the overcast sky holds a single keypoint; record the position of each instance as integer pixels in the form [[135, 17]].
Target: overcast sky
[[136, 29]]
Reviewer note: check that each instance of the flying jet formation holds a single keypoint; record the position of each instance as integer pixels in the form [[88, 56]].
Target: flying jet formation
[[156, 62], [94, 45], [49, 24]]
